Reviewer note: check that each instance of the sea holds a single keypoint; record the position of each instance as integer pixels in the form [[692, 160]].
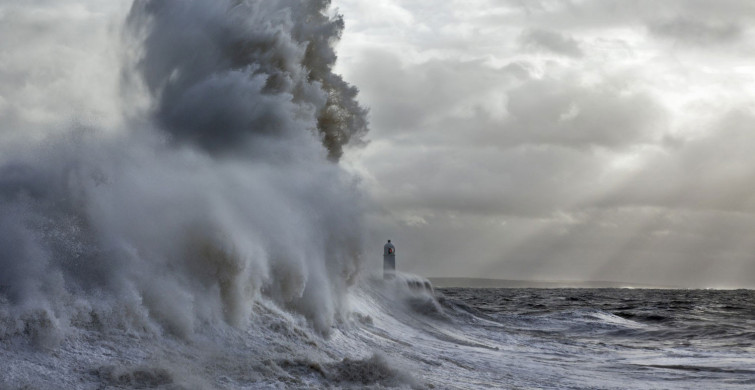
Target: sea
[[403, 333], [173, 216]]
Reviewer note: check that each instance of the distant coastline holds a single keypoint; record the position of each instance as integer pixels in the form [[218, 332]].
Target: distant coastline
[[445, 282]]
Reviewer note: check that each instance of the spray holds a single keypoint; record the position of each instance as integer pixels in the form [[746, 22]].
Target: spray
[[223, 188]]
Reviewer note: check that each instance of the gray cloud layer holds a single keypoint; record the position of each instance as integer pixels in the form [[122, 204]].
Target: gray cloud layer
[[551, 41], [697, 32], [560, 140]]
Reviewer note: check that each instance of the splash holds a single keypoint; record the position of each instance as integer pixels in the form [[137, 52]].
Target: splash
[[222, 190], [227, 74]]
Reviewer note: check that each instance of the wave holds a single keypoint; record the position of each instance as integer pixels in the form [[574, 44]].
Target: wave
[[221, 189], [277, 347]]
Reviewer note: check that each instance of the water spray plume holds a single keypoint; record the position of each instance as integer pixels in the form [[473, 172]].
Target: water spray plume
[[223, 190]]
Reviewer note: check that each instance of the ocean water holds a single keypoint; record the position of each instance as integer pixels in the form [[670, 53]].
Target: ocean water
[[197, 232], [400, 334], [614, 338]]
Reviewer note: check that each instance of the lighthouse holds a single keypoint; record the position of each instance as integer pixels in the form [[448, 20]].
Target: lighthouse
[[389, 260]]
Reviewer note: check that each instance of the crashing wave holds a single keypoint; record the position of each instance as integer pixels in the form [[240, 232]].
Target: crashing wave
[[220, 190]]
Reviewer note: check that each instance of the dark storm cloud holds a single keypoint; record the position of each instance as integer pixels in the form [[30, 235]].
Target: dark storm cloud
[[538, 39], [696, 32]]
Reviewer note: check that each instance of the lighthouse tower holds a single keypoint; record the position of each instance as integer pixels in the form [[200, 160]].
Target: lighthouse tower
[[389, 260]]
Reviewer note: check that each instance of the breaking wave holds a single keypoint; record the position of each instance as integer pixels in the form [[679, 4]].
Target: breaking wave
[[202, 235], [219, 187]]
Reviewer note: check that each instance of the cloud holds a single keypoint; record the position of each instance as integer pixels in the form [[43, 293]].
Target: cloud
[[407, 98], [713, 172], [562, 112], [695, 32], [562, 139], [537, 39]]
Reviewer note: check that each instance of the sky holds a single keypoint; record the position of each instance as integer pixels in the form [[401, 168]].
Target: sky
[[559, 140], [532, 140]]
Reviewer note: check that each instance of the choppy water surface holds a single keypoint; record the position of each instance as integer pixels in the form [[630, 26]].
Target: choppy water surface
[[614, 338], [203, 236], [398, 334]]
